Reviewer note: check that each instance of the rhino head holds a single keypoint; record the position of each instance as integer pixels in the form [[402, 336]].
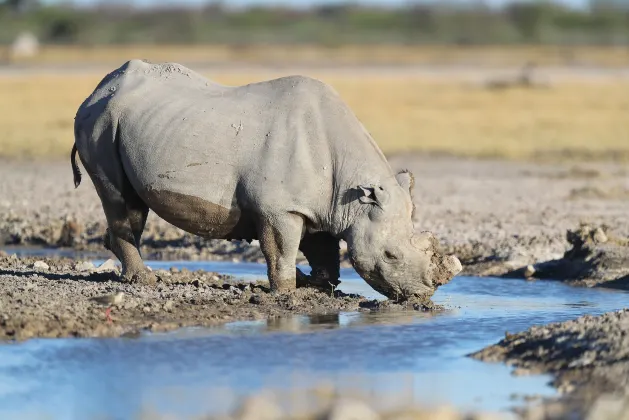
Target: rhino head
[[384, 248]]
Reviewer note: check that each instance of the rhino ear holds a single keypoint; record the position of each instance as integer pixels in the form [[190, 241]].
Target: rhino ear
[[372, 195], [406, 180]]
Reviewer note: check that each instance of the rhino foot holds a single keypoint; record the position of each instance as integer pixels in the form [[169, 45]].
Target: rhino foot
[[320, 283], [141, 277]]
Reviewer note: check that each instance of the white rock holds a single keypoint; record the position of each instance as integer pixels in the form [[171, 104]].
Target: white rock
[[84, 266], [609, 407], [529, 271], [351, 410], [599, 236], [109, 265], [259, 407], [40, 265]]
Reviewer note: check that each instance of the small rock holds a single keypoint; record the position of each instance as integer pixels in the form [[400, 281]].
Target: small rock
[[146, 309], [168, 306], [351, 410], [40, 265], [130, 304], [197, 283], [84, 266], [529, 271], [599, 236], [609, 407], [255, 300], [109, 265], [259, 408]]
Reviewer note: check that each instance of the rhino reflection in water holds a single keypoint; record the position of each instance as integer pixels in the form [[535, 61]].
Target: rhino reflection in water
[[284, 161]]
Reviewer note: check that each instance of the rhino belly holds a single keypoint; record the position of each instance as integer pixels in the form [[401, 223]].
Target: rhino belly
[[199, 216]]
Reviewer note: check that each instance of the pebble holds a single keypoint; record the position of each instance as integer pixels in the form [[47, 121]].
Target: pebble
[[529, 271], [40, 265], [599, 236], [347, 409], [609, 407], [255, 300], [84, 266], [168, 306], [109, 265], [259, 407]]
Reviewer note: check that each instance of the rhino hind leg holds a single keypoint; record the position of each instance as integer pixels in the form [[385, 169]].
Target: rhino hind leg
[[125, 229], [279, 241], [323, 254], [126, 215]]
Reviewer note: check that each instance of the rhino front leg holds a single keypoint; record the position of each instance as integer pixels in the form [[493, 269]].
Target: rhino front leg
[[279, 241], [323, 254]]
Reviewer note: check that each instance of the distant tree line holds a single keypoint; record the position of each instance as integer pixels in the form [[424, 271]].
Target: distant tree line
[[604, 22]]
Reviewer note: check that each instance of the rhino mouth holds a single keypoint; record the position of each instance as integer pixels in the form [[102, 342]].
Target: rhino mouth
[[400, 294]]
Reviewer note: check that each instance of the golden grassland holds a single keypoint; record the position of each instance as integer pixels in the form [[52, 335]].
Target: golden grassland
[[516, 55], [403, 113]]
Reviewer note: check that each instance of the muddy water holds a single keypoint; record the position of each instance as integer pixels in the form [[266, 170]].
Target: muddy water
[[416, 356]]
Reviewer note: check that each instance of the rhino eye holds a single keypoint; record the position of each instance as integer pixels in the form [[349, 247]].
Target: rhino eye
[[390, 257]]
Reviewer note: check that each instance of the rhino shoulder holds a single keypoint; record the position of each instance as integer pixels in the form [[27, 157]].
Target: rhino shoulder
[[304, 85]]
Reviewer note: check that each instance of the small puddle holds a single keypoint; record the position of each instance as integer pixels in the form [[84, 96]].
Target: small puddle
[[420, 357]]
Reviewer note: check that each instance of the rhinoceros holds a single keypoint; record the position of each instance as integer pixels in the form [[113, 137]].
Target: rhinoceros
[[283, 161]]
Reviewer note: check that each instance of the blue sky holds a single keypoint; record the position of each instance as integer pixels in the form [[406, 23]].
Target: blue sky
[[283, 2]]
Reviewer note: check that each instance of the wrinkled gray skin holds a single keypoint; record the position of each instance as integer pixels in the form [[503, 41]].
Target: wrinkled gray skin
[[284, 161]]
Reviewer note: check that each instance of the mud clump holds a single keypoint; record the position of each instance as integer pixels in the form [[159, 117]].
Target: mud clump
[[596, 257], [54, 297], [587, 356]]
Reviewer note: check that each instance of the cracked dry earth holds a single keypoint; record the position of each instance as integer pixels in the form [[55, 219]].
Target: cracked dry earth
[[52, 298]]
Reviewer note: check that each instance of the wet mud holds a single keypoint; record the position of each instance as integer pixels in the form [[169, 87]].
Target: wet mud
[[597, 258], [588, 358], [54, 297]]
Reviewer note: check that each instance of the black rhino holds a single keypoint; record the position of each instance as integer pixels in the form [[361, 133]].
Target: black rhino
[[284, 161]]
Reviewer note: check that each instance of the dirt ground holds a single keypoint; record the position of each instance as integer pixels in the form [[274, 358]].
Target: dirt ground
[[497, 216], [52, 297]]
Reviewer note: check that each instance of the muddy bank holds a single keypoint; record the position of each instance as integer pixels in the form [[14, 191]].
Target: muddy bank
[[597, 257], [53, 298], [495, 216], [588, 357]]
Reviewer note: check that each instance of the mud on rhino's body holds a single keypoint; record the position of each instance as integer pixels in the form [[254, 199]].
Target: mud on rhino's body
[[284, 161]]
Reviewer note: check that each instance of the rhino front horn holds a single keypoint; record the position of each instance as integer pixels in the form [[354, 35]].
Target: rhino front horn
[[453, 265]]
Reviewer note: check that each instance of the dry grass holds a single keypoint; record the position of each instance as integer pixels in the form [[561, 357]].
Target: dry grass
[[613, 57], [402, 113]]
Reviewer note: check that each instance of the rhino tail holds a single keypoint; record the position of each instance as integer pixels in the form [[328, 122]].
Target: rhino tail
[[75, 167]]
